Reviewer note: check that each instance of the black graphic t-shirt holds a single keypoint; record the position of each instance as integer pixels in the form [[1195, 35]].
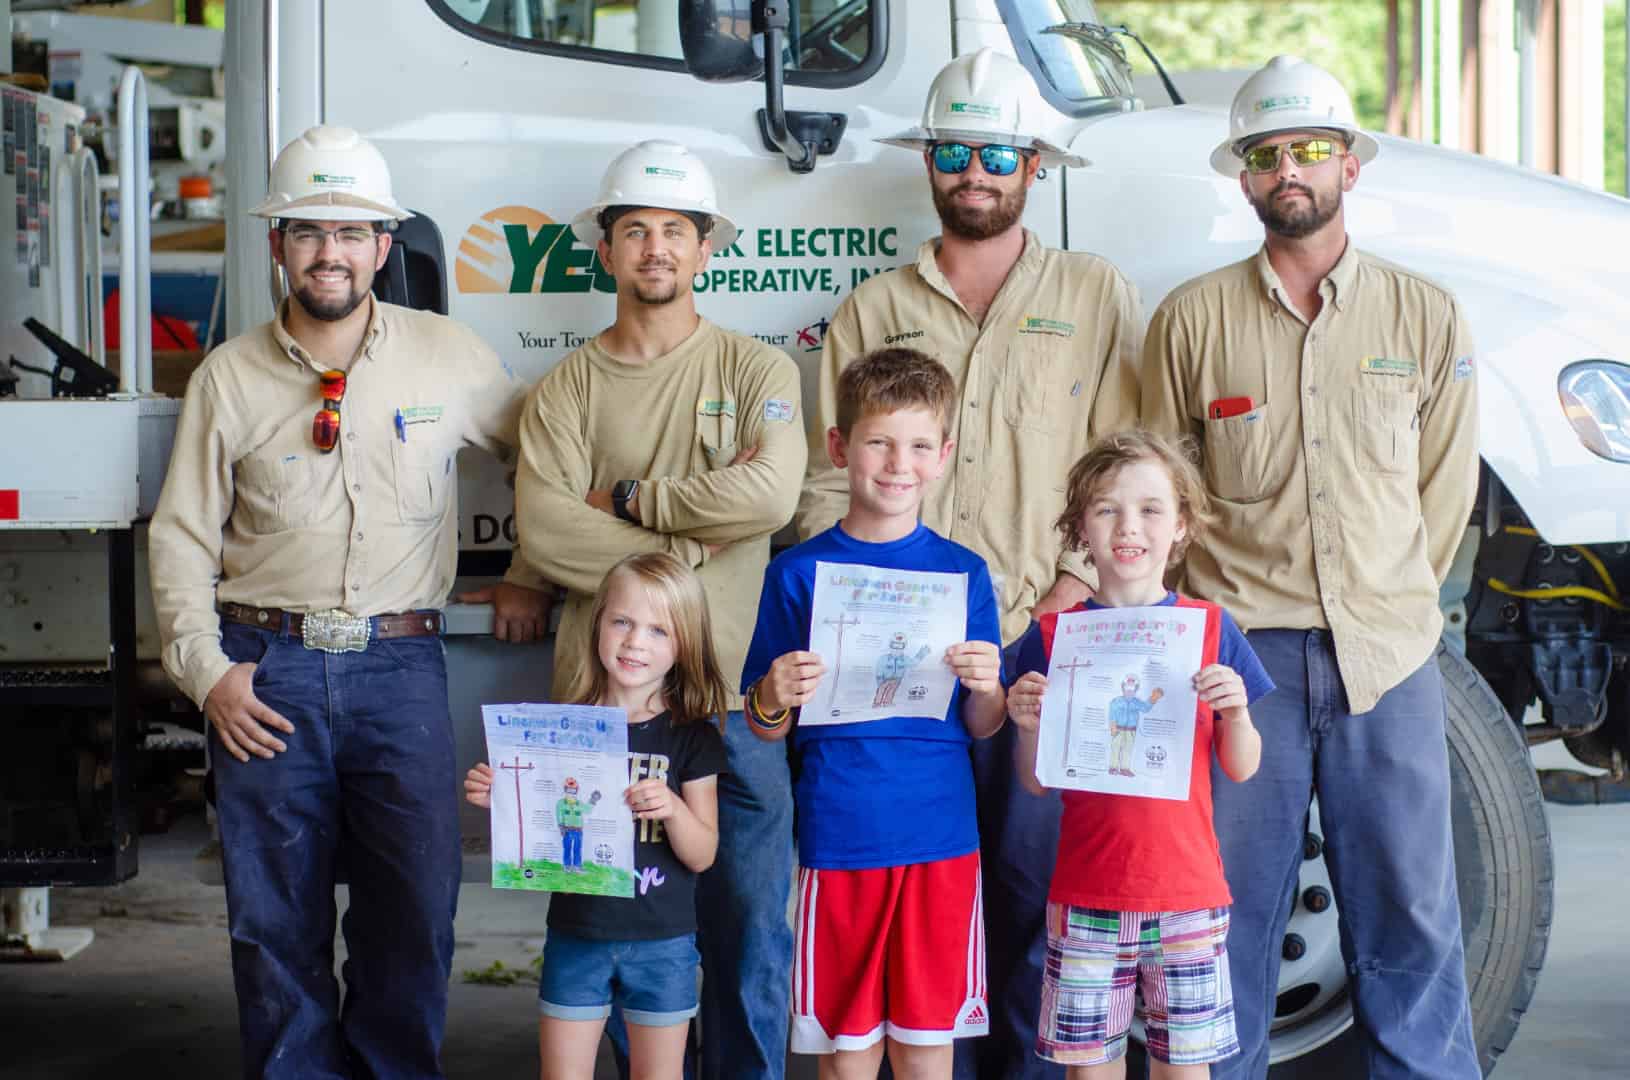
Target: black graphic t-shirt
[[664, 901]]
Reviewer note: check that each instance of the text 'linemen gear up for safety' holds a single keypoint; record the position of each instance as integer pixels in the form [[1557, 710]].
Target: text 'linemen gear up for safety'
[[330, 174], [1289, 94], [985, 98], [662, 175]]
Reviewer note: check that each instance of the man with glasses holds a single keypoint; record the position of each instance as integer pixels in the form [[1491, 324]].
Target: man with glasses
[[1334, 400], [1043, 345], [303, 544]]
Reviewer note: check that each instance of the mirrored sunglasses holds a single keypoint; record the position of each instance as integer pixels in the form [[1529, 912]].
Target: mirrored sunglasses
[[954, 157], [325, 427], [1264, 158]]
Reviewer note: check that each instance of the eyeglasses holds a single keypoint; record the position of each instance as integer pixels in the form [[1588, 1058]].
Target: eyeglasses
[[325, 428], [1264, 158], [307, 239], [955, 157]]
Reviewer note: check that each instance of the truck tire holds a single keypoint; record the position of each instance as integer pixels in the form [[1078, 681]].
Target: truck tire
[[1504, 874]]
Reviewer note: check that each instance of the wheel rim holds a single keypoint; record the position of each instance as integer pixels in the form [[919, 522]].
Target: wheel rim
[[1312, 1005]]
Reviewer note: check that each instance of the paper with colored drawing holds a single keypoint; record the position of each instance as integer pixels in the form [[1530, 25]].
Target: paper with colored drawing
[[559, 823], [882, 635], [1119, 713]]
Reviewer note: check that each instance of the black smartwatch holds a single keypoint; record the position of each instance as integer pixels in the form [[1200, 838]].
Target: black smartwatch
[[621, 493]]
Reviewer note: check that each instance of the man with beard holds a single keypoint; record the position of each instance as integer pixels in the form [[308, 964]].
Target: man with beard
[[1333, 398], [303, 544], [1043, 345], [667, 433]]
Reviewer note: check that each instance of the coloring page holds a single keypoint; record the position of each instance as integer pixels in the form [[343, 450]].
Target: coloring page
[[559, 823], [882, 635], [1119, 712]]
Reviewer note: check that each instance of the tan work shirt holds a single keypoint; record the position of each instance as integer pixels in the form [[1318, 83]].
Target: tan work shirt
[[1345, 489], [674, 424], [1052, 368], [252, 512]]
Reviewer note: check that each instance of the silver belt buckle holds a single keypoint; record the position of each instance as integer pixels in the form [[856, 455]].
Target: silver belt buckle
[[334, 631]]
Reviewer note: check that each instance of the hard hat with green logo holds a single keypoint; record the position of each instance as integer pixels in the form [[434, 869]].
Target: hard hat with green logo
[[986, 97], [1289, 94], [661, 175], [330, 174]]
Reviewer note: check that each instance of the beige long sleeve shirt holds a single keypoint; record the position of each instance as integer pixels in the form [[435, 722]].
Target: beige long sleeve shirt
[[253, 513], [1345, 489], [1052, 367], [674, 424]]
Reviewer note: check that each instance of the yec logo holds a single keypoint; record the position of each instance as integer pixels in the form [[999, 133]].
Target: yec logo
[[516, 249]]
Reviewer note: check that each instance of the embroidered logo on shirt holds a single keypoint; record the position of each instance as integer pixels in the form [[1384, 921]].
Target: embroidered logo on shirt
[[1381, 365], [1463, 368], [421, 414], [1035, 324], [713, 407], [779, 409]]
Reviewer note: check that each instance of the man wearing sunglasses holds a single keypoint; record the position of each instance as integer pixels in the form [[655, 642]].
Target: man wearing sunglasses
[[302, 547], [1334, 400], [1043, 345]]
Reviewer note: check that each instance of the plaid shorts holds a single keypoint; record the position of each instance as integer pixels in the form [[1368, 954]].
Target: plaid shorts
[[1172, 964]]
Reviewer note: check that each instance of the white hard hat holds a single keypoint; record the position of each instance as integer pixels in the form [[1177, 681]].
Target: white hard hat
[[664, 176], [987, 97], [1289, 94], [330, 174]]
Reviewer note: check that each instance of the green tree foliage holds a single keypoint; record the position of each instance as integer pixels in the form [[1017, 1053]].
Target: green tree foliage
[[1613, 99]]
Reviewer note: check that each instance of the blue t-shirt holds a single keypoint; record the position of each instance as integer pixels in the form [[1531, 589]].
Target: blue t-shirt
[[883, 792]]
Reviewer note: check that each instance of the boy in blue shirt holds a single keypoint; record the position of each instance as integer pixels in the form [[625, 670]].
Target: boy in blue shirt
[[890, 926]]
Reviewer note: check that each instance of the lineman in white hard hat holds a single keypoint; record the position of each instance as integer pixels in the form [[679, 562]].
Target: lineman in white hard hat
[[301, 551], [666, 433], [1043, 345], [1334, 398]]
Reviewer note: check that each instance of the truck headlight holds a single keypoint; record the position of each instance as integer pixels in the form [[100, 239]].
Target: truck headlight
[[1596, 398]]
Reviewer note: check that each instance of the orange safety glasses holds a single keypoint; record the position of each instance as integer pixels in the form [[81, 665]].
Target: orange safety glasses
[[325, 428]]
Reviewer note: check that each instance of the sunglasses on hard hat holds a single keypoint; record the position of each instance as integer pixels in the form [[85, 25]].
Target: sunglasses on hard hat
[[325, 427], [955, 157], [1264, 157]]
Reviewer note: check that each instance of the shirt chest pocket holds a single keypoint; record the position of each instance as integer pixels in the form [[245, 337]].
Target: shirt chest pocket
[[1386, 430], [717, 437], [1038, 389], [424, 477], [277, 492], [1239, 456]]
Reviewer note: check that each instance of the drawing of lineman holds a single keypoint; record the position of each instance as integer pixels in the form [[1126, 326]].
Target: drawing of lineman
[[892, 667], [1124, 714], [569, 816]]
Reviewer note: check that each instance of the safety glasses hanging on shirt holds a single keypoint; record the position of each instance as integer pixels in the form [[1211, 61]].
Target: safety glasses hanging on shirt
[[325, 427], [1304, 152], [955, 157]]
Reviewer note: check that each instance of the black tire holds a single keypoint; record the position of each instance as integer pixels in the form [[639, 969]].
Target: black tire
[[1503, 869]]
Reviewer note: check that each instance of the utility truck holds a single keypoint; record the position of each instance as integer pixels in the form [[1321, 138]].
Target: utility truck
[[499, 116]]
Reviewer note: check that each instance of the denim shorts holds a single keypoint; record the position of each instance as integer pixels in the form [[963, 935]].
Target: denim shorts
[[654, 982]]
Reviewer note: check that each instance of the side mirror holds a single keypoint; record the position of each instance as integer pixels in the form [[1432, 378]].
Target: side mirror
[[717, 39]]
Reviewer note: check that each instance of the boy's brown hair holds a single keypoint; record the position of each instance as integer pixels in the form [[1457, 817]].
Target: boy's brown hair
[[1125, 448], [888, 380]]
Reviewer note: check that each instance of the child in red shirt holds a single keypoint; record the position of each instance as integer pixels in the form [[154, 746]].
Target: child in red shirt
[[1138, 907]]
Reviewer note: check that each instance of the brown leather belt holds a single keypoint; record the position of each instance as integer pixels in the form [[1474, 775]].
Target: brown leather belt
[[380, 627]]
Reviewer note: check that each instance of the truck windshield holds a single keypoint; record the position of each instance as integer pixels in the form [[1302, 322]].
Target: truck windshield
[[825, 36], [1079, 75]]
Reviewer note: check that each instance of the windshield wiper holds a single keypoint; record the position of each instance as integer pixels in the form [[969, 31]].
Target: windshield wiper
[[1093, 34]]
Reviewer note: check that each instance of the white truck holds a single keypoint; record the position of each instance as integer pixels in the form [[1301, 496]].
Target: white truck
[[498, 117]]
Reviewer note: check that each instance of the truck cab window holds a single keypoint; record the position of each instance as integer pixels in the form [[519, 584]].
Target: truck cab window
[[1078, 76], [832, 37]]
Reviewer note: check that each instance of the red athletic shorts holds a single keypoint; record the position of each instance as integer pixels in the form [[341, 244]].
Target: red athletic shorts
[[896, 951]]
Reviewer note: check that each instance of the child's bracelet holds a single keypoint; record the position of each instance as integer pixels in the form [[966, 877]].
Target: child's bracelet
[[757, 713]]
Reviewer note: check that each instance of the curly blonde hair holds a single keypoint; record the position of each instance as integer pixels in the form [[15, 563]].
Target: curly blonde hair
[[1177, 454]]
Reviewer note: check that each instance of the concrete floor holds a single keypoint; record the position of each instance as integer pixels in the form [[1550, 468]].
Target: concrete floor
[[155, 990]]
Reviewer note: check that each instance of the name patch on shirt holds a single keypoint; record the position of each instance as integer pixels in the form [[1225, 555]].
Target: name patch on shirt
[[421, 414], [779, 409], [1035, 324], [712, 407], [904, 335], [1463, 368], [1382, 365]]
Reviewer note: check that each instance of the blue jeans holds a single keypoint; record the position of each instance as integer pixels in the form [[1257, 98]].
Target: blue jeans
[[369, 777], [741, 915], [1382, 779], [652, 982], [571, 847]]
